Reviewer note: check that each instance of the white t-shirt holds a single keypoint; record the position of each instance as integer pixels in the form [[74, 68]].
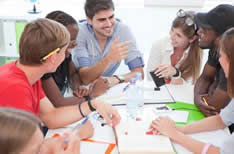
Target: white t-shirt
[[227, 115], [161, 54]]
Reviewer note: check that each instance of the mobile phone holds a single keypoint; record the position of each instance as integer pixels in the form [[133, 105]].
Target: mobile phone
[[158, 81], [166, 108], [161, 109]]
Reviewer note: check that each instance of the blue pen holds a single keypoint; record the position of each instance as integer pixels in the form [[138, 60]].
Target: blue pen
[[76, 128], [125, 88]]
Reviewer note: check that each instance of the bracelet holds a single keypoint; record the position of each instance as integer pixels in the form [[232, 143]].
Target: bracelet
[[177, 72], [205, 148], [80, 110], [91, 108], [117, 78]]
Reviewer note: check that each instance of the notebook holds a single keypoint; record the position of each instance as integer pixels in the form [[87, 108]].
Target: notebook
[[117, 96], [131, 138]]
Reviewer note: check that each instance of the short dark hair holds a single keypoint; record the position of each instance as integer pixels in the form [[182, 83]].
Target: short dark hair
[[61, 17], [94, 6]]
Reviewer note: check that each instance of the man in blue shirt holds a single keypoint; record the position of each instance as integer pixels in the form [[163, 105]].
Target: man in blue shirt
[[103, 42]]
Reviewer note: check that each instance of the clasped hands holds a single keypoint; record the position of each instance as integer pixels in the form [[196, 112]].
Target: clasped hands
[[163, 126], [97, 88]]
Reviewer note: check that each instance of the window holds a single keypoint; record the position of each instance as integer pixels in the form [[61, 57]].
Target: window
[[129, 3]]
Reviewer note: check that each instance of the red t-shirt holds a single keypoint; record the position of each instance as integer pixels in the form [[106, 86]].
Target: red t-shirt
[[16, 91]]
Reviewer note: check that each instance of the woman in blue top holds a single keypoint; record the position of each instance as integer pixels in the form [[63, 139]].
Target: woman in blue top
[[55, 84], [167, 127]]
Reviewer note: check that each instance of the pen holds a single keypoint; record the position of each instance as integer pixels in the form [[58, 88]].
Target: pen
[[79, 125], [103, 124], [204, 100], [125, 88], [74, 130]]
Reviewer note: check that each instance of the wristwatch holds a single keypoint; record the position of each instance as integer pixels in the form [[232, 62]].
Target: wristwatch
[[120, 78], [91, 108], [177, 72]]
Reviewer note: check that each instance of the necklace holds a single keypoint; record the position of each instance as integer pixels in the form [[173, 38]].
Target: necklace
[[177, 57]]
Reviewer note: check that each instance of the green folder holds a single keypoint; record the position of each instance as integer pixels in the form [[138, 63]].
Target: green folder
[[8, 60], [2, 60], [194, 112], [19, 28]]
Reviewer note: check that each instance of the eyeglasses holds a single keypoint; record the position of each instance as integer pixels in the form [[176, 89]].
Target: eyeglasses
[[188, 20], [52, 52]]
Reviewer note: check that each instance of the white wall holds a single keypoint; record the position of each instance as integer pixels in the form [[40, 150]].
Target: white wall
[[148, 24]]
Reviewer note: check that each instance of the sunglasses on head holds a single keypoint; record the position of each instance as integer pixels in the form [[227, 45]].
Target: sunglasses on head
[[188, 20]]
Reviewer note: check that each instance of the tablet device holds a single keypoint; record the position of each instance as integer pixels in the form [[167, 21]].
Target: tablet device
[[158, 81]]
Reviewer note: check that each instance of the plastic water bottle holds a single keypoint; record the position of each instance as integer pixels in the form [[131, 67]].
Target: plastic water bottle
[[132, 105], [140, 94]]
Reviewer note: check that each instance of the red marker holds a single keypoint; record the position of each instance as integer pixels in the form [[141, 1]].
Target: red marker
[[149, 132], [138, 119]]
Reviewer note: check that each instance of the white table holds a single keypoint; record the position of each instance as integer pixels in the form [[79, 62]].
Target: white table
[[180, 93]]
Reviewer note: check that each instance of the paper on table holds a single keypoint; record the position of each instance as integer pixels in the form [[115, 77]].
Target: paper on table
[[86, 146], [116, 96], [150, 114], [103, 138], [216, 138], [182, 93], [177, 116], [132, 138], [161, 96], [103, 133]]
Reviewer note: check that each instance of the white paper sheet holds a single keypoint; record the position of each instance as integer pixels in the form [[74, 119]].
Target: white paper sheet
[[177, 116], [182, 93], [161, 96], [132, 138], [216, 138], [116, 95], [86, 146]]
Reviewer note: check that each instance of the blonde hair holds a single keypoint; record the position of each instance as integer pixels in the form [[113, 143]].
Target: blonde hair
[[227, 46], [17, 128], [39, 38], [190, 67]]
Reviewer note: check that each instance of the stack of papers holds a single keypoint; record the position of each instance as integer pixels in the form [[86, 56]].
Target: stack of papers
[[157, 97], [117, 96]]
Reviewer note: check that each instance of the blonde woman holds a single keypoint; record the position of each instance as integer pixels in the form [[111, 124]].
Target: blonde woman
[[20, 133], [167, 127]]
